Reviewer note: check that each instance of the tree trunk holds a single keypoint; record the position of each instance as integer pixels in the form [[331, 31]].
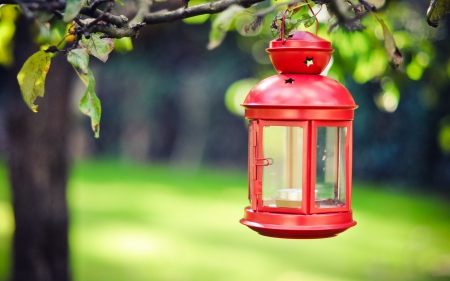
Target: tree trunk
[[38, 168]]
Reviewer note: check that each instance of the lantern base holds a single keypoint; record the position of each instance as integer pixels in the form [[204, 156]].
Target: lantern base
[[297, 226]]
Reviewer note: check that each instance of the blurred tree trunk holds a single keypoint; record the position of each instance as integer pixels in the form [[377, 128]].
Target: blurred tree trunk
[[194, 106], [38, 168]]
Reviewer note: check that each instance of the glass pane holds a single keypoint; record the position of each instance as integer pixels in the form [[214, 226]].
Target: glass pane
[[282, 178], [251, 156], [330, 167], [342, 166]]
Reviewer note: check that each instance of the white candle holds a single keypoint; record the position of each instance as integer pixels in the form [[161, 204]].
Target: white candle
[[290, 194]]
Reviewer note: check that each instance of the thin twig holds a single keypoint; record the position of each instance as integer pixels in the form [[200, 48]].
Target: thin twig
[[368, 6], [95, 4], [274, 7], [143, 9], [99, 18]]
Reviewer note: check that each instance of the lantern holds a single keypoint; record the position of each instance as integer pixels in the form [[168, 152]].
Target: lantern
[[300, 144]]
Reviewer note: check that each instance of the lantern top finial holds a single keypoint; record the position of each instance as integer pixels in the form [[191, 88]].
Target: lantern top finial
[[301, 53], [301, 39]]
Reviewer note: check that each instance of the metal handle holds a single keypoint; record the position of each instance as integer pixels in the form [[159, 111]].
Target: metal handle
[[268, 161], [282, 25], [284, 16]]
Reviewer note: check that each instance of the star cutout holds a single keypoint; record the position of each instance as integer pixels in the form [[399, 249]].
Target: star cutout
[[308, 61], [290, 81]]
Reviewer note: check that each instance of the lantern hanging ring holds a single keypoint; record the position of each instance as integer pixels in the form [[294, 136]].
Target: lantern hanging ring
[[284, 16]]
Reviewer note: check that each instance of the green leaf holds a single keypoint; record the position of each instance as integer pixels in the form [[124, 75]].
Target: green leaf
[[79, 58], [221, 25], [32, 78], [275, 28], [438, 10], [289, 23], [52, 34], [394, 55], [275, 33], [249, 25], [73, 7], [123, 44], [120, 3], [90, 103], [98, 47], [307, 20]]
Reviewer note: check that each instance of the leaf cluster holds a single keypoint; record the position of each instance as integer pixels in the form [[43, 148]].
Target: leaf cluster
[[290, 22], [91, 27], [32, 76], [85, 42]]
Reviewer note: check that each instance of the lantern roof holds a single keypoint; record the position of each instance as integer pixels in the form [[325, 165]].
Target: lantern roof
[[299, 91]]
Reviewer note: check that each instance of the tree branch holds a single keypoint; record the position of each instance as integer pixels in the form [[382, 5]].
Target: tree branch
[[107, 17], [209, 8], [131, 30], [341, 10], [119, 26], [117, 32]]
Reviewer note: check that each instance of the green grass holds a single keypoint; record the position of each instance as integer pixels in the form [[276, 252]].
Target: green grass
[[140, 222]]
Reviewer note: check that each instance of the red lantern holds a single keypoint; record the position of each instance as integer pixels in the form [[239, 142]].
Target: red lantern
[[300, 145]]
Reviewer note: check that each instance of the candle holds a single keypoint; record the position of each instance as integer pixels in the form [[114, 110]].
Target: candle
[[290, 194]]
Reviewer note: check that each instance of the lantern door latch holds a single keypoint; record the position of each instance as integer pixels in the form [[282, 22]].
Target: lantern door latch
[[263, 161]]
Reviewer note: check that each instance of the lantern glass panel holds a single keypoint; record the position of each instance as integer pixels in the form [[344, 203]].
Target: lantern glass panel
[[251, 156], [282, 178], [330, 185]]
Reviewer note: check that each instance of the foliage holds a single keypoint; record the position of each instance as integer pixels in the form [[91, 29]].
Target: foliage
[[72, 10], [32, 78], [221, 25], [290, 24], [394, 55], [97, 46], [79, 58], [100, 48], [438, 10], [93, 26], [90, 103]]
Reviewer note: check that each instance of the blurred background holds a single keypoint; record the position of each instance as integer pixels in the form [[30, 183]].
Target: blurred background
[[159, 195], [169, 103]]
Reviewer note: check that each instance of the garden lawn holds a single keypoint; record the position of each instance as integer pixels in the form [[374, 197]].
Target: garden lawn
[[134, 222]]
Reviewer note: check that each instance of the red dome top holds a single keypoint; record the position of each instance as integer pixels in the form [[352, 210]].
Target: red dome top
[[299, 91]]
